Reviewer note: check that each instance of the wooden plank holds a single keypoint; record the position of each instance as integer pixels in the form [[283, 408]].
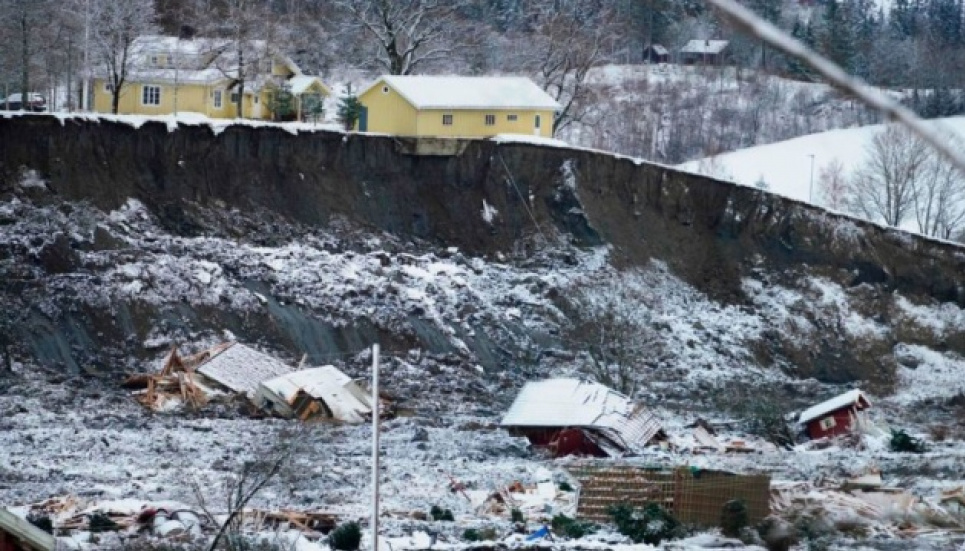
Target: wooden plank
[[29, 534]]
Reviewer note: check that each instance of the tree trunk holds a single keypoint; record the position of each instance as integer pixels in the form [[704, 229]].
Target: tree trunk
[[115, 99], [240, 105]]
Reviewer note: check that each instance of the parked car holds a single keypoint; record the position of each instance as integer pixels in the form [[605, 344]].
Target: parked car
[[36, 103]]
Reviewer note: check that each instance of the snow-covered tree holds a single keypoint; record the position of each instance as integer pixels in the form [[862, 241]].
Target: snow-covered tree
[[114, 26], [407, 33], [940, 198], [21, 24]]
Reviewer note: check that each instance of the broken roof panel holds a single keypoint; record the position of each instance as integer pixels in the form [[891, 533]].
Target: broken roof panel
[[575, 403], [344, 399], [850, 398], [23, 531], [240, 368]]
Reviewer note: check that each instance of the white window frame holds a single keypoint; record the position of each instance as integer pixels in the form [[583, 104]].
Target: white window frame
[[234, 98], [828, 423], [490, 120], [512, 118], [146, 95], [385, 89], [447, 119], [539, 122], [218, 99]]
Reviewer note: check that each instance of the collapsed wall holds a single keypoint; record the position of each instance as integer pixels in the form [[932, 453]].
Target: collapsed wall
[[485, 198]]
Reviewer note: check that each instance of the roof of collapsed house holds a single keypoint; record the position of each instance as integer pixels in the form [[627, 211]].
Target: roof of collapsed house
[[575, 403], [24, 531], [343, 398], [240, 368], [849, 398]]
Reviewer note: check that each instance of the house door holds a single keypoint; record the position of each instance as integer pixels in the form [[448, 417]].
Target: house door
[[536, 127], [364, 119]]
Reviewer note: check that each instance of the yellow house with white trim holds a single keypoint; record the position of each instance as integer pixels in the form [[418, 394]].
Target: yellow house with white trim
[[173, 75], [455, 106]]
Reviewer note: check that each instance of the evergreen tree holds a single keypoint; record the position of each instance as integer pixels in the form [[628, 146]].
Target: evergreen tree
[[349, 110]]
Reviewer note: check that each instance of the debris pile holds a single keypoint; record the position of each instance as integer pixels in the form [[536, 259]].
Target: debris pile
[[274, 388]]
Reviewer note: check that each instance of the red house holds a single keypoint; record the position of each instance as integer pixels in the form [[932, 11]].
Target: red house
[[574, 417], [839, 415]]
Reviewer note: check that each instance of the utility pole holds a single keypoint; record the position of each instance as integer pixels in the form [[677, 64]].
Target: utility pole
[[375, 447], [85, 89], [811, 185]]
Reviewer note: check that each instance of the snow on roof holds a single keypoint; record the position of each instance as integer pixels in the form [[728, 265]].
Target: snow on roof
[[241, 368], [850, 398], [301, 83], [704, 47], [343, 397], [659, 49], [575, 403], [456, 92]]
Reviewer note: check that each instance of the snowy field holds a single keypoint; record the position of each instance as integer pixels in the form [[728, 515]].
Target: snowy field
[[786, 166]]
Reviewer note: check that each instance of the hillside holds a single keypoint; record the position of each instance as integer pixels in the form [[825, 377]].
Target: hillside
[[475, 272]]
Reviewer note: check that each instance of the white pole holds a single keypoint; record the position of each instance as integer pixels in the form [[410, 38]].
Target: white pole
[[811, 185], [85, 90], [375, 447]]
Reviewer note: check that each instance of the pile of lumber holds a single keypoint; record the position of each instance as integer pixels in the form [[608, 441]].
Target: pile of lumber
[[177, 382]]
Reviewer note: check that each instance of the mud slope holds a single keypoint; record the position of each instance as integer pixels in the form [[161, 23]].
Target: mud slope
[[503, 199]]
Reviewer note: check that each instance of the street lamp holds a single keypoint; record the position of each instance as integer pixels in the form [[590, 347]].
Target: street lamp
[[811, 185]]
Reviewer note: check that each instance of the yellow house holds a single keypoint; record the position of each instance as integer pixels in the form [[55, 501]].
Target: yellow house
[[173, 75], [456, 106]]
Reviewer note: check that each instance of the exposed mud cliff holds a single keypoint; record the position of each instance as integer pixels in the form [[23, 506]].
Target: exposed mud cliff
[[489, 200]]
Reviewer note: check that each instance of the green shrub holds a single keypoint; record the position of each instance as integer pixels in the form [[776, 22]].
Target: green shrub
[[903, 442], [438, 513], [733, 518], [651, 525], [471, 534], [346, 537], [516, 515], [565, 526]]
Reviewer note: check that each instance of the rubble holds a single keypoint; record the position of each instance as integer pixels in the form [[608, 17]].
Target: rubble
[[321, 392]]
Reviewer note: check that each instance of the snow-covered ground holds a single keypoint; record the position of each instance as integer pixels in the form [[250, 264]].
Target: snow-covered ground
[[786, 167]]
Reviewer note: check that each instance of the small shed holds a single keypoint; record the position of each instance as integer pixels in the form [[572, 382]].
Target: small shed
[[836, 416], [17, 534], [656, 53], [319, 392], [704, 52], [574, 417]]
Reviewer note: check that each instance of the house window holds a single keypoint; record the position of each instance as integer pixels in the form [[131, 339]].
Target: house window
[[490, 120], [108, 87], [234, 97], [828, 423], [512, 118], [217, 99], [539, 121], [447, 120], [385, 89], [151, 95], [155, 60]]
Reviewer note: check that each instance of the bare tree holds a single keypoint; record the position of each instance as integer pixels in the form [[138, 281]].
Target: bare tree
[[833, 185], [114, 28], [567, 44], [885, 185], [940, 199], [248, 34], [409, 33], [614, 327], [22, 20]]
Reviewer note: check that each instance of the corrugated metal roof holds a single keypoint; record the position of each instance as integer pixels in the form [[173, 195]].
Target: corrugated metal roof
[[575, 403], [849, 398], [241, 368]]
